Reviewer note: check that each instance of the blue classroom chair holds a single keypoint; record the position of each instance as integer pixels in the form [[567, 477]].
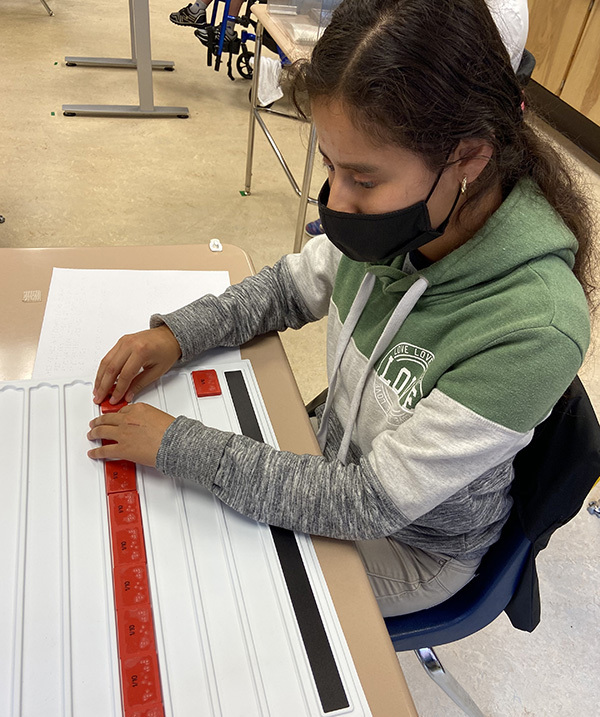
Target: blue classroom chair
[[553, 476]]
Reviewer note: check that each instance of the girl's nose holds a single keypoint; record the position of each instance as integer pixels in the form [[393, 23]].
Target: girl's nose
[[340, 198]]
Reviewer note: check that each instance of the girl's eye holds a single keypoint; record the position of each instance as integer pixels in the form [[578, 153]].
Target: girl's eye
[[364, 185]]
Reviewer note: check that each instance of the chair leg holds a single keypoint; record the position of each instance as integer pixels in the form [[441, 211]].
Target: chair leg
[[45, 4], [433, 667]]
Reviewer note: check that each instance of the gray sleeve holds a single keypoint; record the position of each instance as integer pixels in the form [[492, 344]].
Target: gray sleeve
[[267, 301], [305, 493]]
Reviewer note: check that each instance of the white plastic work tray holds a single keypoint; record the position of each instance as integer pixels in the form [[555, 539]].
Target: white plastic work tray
[[243, 621]]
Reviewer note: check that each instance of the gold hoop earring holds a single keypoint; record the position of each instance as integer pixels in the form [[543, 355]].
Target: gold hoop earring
[[463, 186]]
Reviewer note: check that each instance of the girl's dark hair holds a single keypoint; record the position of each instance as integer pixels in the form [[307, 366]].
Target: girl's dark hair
[[425, 74]]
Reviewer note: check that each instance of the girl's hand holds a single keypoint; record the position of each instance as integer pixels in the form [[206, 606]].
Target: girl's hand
[[134, 362], [137, 431]]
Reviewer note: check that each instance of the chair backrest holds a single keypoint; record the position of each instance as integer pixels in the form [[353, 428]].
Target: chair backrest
[[553, 476], [526, 68]]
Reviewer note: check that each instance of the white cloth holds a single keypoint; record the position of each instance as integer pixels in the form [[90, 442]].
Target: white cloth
[[269, 89], [512, 20]]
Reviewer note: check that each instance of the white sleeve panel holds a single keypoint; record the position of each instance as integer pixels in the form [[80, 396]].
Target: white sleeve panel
[[314, 271], [440, 449]]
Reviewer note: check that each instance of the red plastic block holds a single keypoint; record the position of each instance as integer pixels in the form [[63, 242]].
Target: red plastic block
[[136, 631], [131, 586], [120, 476], [106, 442], [107, 407], [140, 680], [153, 711], [124, 509], [206, 383], [128, 546]]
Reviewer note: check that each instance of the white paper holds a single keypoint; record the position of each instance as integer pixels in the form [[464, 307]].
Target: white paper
[[88, 310]]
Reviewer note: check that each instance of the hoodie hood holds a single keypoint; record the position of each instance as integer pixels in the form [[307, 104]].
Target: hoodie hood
[[523, 229]]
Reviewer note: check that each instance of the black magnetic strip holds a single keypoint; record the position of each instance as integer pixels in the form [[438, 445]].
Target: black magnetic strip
[[243, 405], [322, 663], [318, 650]]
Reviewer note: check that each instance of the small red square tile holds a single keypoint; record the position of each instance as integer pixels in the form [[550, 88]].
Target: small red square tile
[[135, 628], [206, 383], [120, 476], [124, 508], [107, 407], [128, 546], [131, 586], [140, 680]]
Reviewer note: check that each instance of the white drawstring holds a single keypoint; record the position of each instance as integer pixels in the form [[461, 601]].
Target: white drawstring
[[402, 310], [358, 305]]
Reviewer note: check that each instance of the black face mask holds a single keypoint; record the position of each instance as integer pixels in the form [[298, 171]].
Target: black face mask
[[378, 238]]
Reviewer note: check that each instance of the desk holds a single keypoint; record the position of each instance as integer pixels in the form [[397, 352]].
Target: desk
[[292, 52], [30, 270]]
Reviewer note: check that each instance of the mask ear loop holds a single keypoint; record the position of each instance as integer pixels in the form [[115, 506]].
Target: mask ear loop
[[444, 225], [437, 179], [463, 188]]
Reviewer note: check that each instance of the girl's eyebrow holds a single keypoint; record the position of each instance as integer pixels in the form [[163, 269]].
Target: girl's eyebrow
[[359, 167]]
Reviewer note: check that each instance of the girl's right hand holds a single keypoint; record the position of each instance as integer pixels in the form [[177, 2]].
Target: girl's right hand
[[135, 361]]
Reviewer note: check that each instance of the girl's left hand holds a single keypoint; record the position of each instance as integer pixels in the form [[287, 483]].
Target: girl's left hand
[[137, 430]]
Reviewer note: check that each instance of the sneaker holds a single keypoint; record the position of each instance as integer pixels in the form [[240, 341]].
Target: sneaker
[[187, 18], [313, 229], [202, 34]]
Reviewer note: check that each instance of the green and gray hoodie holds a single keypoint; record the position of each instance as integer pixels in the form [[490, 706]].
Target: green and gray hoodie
[[437, 378]]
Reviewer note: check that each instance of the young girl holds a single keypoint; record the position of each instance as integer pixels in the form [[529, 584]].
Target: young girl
[[453, 271]]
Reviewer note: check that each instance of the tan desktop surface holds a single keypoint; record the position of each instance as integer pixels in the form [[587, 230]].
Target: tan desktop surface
[[271, 24], [26, 271]]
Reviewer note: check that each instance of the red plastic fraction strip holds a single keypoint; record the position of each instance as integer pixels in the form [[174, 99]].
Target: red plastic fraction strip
[[140, 676]]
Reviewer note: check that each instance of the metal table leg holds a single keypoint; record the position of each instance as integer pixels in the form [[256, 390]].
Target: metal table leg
[[139, 17], [304, 197], [48, 10], [255, 117], [253, 103], [125, 62]]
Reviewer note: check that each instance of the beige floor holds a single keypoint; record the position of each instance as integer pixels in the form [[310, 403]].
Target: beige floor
[[103, 182]]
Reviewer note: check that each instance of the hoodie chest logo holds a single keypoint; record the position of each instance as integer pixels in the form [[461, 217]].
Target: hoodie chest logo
[[399, 380]]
